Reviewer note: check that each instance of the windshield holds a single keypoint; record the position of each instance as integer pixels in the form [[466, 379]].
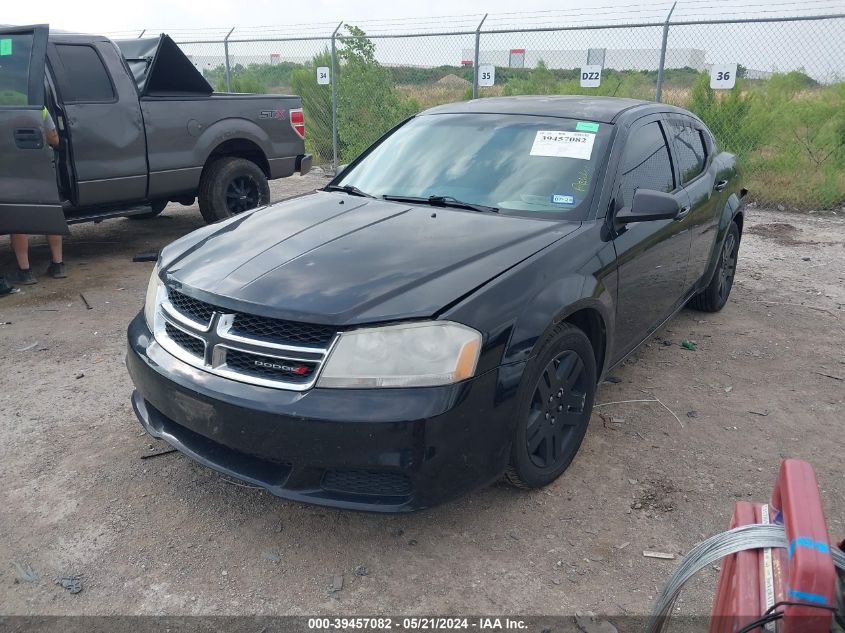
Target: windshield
[[518, 164]]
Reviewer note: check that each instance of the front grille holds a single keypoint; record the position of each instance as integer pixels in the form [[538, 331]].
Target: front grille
[[252, 349], [194, 309], [281, 332], [187, 342], [269, 367], [365, 482]]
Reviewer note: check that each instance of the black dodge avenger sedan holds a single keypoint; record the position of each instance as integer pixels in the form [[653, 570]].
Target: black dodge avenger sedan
[[439, 315]]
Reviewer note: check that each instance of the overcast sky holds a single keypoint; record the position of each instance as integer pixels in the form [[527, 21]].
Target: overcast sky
[[108, 16]]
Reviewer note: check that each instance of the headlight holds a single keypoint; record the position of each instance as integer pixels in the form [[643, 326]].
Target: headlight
[[153, 288], [407, 355]]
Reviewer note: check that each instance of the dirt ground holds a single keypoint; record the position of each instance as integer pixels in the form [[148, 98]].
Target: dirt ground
[[166, 536]]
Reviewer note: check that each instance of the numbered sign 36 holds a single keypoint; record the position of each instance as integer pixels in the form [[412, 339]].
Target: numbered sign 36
[[723, 76], [323, 77], [590, 76], [486, 75]]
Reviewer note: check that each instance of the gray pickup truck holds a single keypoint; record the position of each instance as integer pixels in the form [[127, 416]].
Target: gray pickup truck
[[139, 126]]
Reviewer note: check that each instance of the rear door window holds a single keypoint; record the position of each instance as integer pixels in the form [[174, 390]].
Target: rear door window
[[84, 78], [15, 53], [646, 163], [690, 151]]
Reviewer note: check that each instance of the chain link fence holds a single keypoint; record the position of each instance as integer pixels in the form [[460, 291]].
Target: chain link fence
[[784, 116]]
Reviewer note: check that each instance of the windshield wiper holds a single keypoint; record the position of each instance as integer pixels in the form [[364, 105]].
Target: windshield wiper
[[352, 190], [443, 201]]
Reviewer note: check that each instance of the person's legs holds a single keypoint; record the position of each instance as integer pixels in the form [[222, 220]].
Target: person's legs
[[23, 275], [20, 244], [55, 242], [57, 267]]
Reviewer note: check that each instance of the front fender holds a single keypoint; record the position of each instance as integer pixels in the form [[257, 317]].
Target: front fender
[[516, 309]]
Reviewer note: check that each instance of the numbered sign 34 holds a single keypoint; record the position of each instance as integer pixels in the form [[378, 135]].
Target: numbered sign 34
[[323, 76], [723, 76], [590, 76], [486, 75]]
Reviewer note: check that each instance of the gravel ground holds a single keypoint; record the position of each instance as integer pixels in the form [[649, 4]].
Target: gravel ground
[[166, 536]]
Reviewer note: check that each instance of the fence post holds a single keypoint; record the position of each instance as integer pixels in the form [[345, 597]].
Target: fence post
[[334, 97], [658, 93], [228, 69], [475, 61]]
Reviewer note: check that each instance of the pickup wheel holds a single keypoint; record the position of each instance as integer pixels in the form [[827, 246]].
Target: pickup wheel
[[157, 207], [555, 405], [714, 297], [229, 186]]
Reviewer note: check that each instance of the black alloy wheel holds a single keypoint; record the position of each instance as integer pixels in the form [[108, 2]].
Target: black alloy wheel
[[556, 401], [714, 297], [557, 408], [242, 194], [727, 267]]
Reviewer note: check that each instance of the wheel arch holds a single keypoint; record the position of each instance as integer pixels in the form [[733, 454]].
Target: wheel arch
[[733, 211], [587, 304], [240, 148], [590, 321], [235, 137]]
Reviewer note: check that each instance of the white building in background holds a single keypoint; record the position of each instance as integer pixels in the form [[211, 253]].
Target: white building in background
[[616, 58]]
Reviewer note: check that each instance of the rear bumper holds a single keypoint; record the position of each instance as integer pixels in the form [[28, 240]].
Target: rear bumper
[[385, 450]]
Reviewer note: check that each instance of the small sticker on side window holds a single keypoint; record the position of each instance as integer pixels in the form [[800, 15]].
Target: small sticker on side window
[[563, 198], [6, 47]]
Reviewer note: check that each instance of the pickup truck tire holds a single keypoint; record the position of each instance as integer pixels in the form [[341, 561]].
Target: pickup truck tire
[[714, 297], [157, 207], [229, 186], [555, 405]]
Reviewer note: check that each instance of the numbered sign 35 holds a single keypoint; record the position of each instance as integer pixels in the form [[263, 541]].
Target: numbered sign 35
[[323, 76], [723, 76], [590, 76], [486, 75]]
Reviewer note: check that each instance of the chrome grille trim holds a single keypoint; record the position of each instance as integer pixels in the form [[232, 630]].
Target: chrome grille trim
[[218, 339]]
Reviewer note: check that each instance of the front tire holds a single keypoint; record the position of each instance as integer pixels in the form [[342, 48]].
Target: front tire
[[230, 186], [555, 404], [714, 297]]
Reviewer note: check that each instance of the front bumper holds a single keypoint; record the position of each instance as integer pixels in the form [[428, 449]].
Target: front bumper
[[386, 450]]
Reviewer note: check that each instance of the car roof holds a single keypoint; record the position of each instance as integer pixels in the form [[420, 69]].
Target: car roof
[[601, 109], [70, 37]]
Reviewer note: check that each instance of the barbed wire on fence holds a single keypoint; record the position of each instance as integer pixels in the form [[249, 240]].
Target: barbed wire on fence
[[784, 116]]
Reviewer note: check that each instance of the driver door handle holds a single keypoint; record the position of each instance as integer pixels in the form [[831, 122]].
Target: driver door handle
[[28, 138], [682, 212], [720, 185]]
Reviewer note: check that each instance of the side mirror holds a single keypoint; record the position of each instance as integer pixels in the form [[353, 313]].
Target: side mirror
[[649, 205]]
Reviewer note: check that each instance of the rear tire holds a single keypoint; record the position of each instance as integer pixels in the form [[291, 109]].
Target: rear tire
[[555, 404], [157, 207], [230, 186], [714, 297]]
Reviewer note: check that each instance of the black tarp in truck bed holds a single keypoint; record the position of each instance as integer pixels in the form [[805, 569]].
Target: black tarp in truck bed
[[161, 68]]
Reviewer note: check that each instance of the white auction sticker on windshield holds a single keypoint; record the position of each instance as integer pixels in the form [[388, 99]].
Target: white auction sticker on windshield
[[563, 144]]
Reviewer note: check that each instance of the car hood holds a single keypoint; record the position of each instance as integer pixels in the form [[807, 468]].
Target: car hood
[[337, 259]]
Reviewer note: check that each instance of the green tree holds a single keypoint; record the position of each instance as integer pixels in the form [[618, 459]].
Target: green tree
[[316, 105], [367, 102]]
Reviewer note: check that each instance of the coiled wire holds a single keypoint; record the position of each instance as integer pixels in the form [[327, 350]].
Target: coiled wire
[[707, 552]]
